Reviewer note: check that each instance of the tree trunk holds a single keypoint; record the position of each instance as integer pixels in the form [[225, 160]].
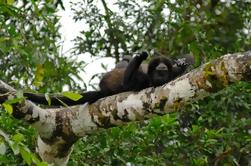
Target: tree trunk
[[60, 128]]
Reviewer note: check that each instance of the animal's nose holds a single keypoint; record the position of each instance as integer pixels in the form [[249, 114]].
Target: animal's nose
[[161, 66]]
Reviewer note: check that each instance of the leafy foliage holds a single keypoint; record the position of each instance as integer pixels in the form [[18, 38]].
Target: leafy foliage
[[30, 59], [205, 28], [19, 147], [29, 51], [213, 131]]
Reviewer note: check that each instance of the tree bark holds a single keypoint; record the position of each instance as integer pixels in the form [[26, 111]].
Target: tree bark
[[60, 128]]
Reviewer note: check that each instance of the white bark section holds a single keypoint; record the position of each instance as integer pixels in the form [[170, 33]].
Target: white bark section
[[233, 66], [5, 87], [47, 122], [133, 101], [180, 89], [81, 121], [60, 128]]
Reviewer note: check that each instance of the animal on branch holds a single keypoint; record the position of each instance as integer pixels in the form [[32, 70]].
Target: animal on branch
[[68, 126], [129, 76]]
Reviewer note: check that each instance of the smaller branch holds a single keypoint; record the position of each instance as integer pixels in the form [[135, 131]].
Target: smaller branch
[[5, 88]]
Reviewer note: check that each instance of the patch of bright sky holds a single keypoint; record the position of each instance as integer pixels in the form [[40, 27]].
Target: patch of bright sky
[[69, 31]]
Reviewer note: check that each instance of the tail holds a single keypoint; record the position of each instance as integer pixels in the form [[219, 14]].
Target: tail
[[59, 100]]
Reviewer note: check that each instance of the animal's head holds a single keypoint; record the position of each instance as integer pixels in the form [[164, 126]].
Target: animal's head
[[160, 70]]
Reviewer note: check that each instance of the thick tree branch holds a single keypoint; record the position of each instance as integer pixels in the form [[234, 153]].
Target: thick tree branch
[[60, 128]]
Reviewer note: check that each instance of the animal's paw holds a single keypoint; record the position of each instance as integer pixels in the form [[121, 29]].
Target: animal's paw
[[143, 55]]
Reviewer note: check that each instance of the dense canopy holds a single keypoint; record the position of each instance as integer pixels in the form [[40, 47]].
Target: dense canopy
[[210, 131]]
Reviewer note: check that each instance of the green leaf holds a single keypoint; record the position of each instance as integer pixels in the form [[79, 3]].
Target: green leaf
[[18, 137], [39, 75], [19, 94], [37, 162], [13, 101], [115, 132], [48, 99], [42, 164], [8, 108], [195, 128], [10, 2], [73, 96], [26, 155], [169, 120], [3, 148], [14, 147], [155, 123]]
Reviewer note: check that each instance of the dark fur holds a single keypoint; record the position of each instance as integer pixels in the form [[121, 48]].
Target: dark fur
[[133, 77], [160, 70]]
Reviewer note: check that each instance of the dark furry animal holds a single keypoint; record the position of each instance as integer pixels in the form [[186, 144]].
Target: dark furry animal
[[133, 77], [129, 77]]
